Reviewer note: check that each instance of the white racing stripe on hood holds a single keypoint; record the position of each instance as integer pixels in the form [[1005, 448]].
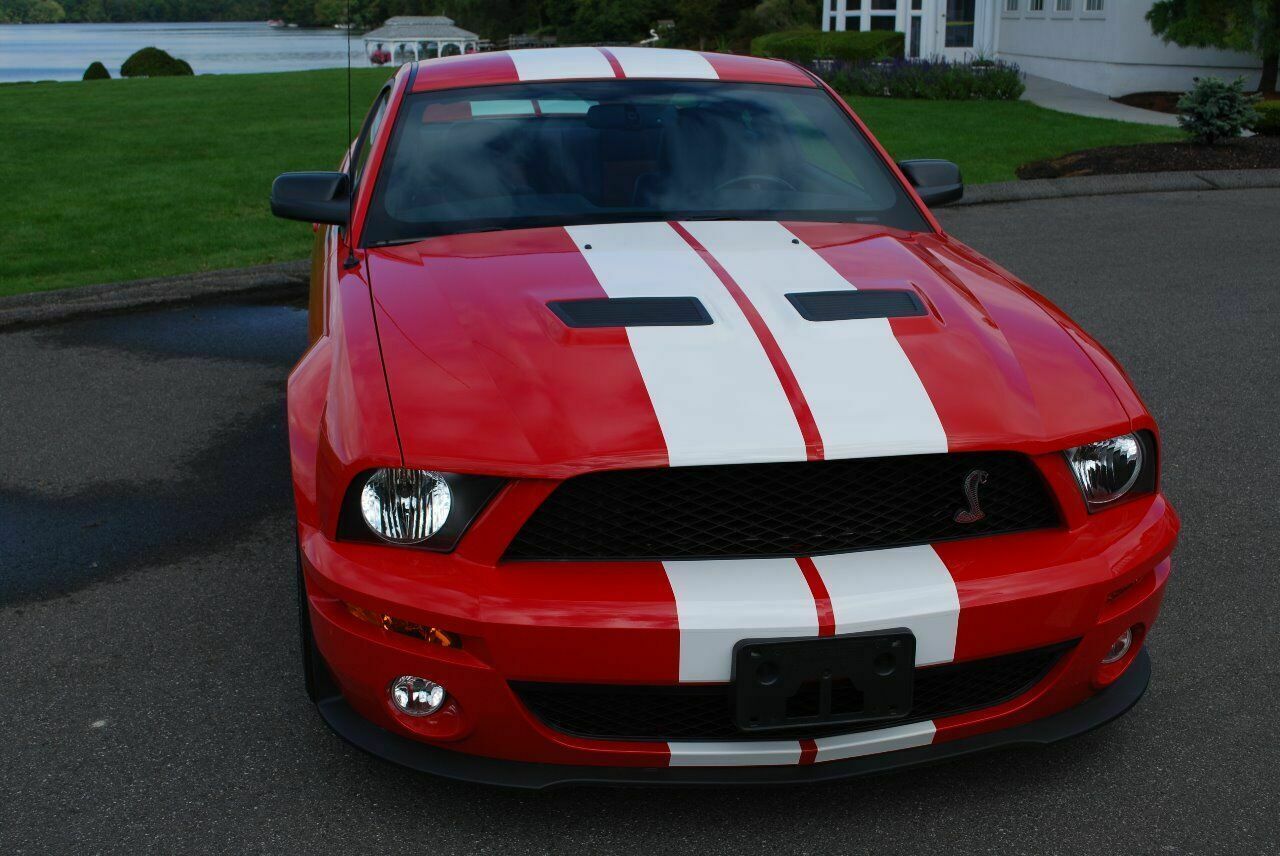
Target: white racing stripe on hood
[[560, 64], [721, 602], [864, 393], [716, 396], [904, 587], [663, 62]]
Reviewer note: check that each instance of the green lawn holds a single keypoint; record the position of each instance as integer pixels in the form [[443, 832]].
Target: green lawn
[[124, 179], [990, 139]]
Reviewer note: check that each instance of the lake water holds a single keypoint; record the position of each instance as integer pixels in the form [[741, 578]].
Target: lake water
[[63, 51]]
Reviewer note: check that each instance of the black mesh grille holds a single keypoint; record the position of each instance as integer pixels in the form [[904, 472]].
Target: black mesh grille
[[792, 509], [704, 712]]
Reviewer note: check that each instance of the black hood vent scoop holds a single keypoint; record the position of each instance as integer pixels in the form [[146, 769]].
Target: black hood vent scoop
[[631, 312], [852, 305]]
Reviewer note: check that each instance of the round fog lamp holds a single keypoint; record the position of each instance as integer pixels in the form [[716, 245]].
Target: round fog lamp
[[1120, 647], [405, 506], [416, 696]]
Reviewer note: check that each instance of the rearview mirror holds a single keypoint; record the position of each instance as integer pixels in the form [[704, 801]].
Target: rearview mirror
[[937, 181], [312, 197]]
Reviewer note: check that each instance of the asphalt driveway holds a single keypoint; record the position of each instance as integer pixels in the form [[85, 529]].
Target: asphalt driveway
[[149, 691]]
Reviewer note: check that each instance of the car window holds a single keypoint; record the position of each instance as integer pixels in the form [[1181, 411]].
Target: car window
[[369, 132], [566, 153]]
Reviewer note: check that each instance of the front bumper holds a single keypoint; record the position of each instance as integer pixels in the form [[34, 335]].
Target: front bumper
[[596, 623], [1107, 705]]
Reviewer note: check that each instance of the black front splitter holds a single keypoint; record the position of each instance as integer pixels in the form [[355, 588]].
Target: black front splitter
[[1112, 702]]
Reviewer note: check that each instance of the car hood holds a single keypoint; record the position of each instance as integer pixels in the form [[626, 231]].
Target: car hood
[[485, 377]]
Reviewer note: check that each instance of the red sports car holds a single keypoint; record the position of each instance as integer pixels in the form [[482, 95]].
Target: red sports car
[[652, 430]]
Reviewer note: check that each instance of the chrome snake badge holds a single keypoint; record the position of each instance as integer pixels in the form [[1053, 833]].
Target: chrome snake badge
[[974, 512]]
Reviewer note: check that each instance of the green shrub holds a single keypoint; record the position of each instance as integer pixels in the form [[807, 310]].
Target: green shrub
[[1268, 119], [938, 80], [806, 46], [153, 62], [1215, 109], [96, 71]]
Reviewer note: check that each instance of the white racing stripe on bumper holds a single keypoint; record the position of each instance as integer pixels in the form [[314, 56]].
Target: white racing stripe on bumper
[[865, 395], [727, 753], [716, 396], [720, 603], [663, 62], [903, 587], [561, 64], [874, 742]]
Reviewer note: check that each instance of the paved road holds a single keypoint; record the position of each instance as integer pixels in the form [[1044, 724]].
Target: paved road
[[149, 696]]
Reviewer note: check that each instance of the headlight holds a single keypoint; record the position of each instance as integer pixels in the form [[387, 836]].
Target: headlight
[[417, 508], [1110, 469], [405, 506]]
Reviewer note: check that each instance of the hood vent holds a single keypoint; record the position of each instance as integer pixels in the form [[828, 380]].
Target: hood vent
[[851, 305], [631, 312]]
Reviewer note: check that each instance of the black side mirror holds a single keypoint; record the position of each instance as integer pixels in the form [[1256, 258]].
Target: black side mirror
[[937, 181], [312, 197]]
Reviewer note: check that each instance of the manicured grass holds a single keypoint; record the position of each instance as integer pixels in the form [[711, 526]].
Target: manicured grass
[[112, 180], [990, 139], [125, 179]]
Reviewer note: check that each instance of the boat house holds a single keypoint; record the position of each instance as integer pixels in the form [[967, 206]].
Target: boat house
[[412, 37]]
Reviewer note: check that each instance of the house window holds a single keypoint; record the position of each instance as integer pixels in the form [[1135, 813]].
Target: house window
[[853, 23], [884, 5], [1093, 5], [1035, 5], [960, 19], [882, 22], [1063, 6], [1011, 5]]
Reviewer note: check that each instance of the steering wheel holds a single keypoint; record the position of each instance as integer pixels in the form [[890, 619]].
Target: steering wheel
[[754, 182]]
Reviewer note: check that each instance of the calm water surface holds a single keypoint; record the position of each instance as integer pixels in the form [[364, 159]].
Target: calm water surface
[[63, 51]]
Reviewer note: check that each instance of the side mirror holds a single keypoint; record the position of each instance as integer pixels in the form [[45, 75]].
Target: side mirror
[[312, 197], [937, 181]]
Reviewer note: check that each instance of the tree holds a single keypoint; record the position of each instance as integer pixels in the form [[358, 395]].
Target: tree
[[1252, 26], [45, 12]]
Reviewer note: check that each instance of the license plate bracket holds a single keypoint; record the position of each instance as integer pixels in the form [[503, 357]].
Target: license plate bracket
[[851, 678]]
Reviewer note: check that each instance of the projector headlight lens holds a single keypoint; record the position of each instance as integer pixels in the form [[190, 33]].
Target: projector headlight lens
[[1108, 469], [405, 506]]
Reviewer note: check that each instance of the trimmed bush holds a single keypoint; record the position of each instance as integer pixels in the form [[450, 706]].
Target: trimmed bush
[[1268, 119], [808, 46], [1217, 110], [96, 71], [937, 80], [153, 62]]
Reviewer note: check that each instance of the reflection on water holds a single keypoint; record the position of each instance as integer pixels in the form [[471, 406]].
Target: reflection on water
[[63, 51]]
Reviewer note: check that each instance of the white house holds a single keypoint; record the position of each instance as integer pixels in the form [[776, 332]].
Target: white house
[[1103, 45]]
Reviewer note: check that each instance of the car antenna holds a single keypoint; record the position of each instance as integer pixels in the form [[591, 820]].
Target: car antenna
[[351, 260]]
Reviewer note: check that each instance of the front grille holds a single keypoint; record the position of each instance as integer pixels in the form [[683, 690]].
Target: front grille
[[804, 508], [704, 712]]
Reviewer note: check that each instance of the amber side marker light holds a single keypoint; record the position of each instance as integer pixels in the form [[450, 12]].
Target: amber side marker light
[[432, 635]]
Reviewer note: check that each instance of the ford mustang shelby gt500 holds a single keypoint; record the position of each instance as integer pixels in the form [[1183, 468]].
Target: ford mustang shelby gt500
[[652, 430]]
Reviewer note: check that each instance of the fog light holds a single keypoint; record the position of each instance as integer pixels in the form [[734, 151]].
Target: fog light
[[416, 696], [1120, 647]]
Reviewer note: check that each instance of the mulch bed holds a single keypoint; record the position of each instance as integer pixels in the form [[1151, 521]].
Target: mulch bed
[[1167, 102], [1248, 153]]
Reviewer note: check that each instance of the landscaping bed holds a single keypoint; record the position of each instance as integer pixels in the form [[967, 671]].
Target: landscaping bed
[[1248, 153], [1166, 102]]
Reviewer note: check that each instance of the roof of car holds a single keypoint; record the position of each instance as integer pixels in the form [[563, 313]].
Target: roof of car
[[601, 63]]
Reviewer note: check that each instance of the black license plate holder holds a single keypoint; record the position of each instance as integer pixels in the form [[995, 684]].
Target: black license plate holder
[[836, 680]]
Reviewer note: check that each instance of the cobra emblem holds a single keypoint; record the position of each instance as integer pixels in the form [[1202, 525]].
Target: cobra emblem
[[974, 512]]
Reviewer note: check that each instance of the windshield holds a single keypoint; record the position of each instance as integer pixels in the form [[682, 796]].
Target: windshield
[[567, 153]]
